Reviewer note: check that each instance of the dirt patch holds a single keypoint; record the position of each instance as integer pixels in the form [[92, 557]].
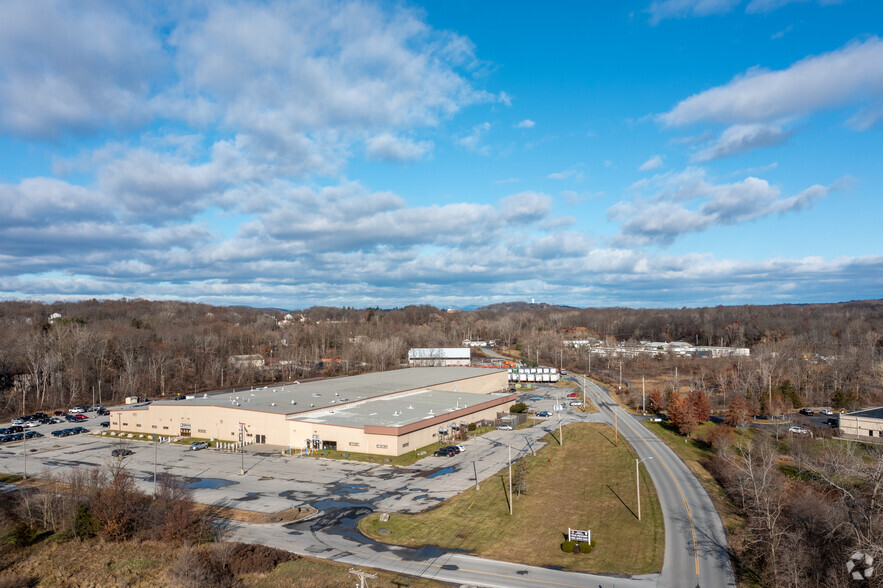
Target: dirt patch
[[257, 559], [262, 518]]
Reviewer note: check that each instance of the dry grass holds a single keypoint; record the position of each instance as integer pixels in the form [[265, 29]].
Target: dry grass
[[312, 573], [250, 516], [589, 483]]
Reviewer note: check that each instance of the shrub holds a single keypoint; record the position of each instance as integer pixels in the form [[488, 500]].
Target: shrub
[[85, 524], [472, 426], [518, 407], [20, 535], [586, 547], [568, 546]]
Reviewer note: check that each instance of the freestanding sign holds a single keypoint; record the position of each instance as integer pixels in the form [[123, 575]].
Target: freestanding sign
[[581, 536]]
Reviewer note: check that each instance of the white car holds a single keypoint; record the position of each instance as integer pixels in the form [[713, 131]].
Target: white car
[[18, 421], [799, 430], [576, 403], [462, 448], [77, 410], [504, 428], [827, 412]]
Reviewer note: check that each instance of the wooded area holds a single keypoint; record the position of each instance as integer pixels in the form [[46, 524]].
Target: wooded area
[[108, 350]]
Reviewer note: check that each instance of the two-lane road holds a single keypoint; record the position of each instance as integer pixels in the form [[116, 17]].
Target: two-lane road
[[695, 542]]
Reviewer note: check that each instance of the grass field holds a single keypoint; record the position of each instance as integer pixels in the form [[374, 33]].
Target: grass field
[[589, 483]]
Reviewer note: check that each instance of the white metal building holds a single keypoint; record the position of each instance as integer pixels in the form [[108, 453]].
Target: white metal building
[[439, 356]]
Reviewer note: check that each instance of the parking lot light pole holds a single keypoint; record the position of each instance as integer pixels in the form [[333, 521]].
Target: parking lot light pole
[[638, 482], [155, 445]]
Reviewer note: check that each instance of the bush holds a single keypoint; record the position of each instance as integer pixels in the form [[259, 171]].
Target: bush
[[472, 426], [20, 535], [586, 547], [85, 524], [568, 546], [518, 407]]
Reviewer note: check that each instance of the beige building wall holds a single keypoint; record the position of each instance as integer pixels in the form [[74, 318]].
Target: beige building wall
[[861, 427], [222, 422]]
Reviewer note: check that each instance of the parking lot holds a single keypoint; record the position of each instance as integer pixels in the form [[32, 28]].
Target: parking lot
[[274, 482]]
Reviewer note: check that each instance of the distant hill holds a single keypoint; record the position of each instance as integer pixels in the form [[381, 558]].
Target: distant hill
[[521, 305]]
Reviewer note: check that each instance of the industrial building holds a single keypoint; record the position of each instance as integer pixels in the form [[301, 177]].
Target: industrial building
[[385, 413], [439, 356], [863, 424]]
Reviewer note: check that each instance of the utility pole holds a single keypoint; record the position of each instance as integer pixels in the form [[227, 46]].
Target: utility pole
[[560, 435], [475, 469], [363, 576], [510, 479], [620, 376], [99, 391], [643, 397], [155, 445], [241, 450], [24, 447]]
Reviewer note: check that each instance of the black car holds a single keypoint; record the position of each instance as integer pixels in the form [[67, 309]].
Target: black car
[[79, 430], [33, 435], [104, 424], [121, 452], [446, 452], [41, 415], [102, 412], [807, 411], [60, 433]]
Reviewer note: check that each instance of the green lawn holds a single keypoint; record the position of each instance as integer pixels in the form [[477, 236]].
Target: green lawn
[[589, 483]]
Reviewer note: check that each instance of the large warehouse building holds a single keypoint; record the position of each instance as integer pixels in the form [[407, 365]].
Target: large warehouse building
[[863, 424], [387, 413]]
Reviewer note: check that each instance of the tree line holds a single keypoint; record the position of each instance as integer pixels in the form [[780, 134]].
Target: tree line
[[111, 349]]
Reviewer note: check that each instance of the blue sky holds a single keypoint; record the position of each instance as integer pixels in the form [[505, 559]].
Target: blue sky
[[652, 153]]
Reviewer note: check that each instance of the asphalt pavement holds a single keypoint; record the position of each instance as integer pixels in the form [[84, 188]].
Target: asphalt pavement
[[343, 491]]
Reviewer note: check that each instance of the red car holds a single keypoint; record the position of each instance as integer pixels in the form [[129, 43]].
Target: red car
[[60, 413], [573, 395]]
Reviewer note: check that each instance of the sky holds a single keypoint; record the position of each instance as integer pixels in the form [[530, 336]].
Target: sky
[[647, 153]]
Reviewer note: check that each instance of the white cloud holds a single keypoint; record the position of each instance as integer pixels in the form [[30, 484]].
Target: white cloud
[[741, 138], [654, 162], [526, 124], [388, 147], [766, 6], [662, 9], [687, 203], [571, 173], [847, 76], [472, 141], [74, 67]]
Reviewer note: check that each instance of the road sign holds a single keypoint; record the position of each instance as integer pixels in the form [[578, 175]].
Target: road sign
[[577, 535]]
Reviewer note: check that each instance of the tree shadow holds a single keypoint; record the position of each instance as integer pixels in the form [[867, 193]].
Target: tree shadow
[[622, 501], [505, 492]]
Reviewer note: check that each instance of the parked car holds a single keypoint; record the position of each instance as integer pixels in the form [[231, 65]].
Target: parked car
[[563, 372], [799, 430], [59, 413], [504, 428], [121, 452], [807, 411], [104, 424], [40, 415], [573, 395], [59, 433], [31, 424], [826, 412], [33, 435], [79, 430], [18, 421], [512, 390], [102, 412], [77, 410], [576, 403], [180, 397], [544, 413], [460, 448], [445, 452], [16, 429], [833, 423], [197, 445]]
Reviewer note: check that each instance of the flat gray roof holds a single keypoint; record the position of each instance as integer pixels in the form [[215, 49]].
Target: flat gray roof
[[395, 411], [868, 413], [297, 398]]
